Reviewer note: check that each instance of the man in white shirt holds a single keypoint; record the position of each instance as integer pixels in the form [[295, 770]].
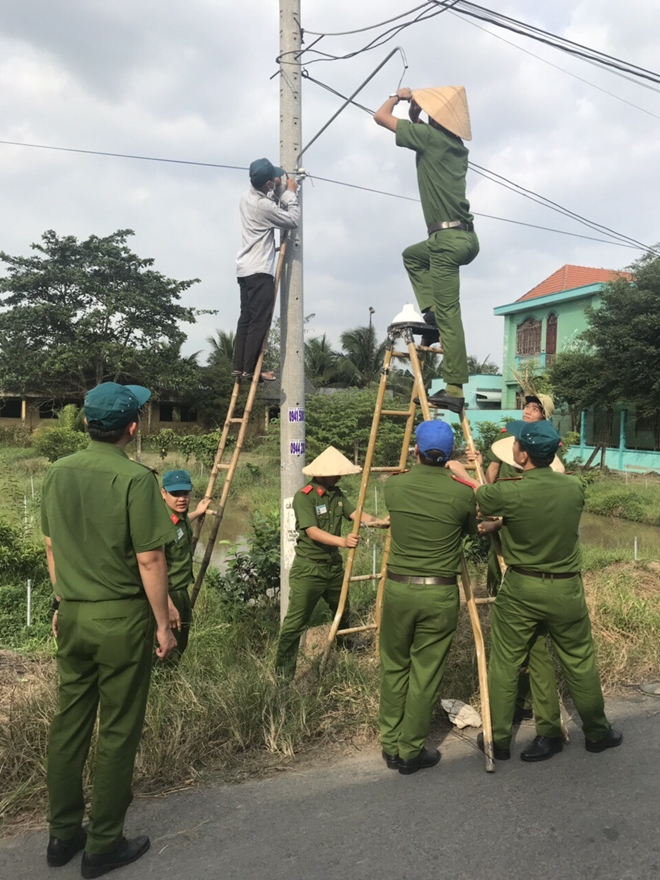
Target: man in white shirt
[[263, 209]]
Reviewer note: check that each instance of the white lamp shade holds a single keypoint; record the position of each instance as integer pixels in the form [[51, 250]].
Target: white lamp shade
[[408, 315]]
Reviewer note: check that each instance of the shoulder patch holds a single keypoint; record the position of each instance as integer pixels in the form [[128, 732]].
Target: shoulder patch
[[307, 489], [465, 482]]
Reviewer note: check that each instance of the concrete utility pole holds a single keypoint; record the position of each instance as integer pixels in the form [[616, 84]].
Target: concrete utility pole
[[292, 409]]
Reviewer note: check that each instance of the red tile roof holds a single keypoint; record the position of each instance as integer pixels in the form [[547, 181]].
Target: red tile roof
[[569, 277]]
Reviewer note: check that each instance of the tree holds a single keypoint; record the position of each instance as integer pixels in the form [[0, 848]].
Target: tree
[[77, 313], [625, 333], [577, 379], [483, 368], [222, 347], [361, 357], [321, 361]]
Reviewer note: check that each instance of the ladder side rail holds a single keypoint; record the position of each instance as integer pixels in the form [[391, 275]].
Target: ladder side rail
[[366, 472]]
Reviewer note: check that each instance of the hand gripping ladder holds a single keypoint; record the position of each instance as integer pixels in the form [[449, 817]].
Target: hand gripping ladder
[[230, 466], [405, 332]]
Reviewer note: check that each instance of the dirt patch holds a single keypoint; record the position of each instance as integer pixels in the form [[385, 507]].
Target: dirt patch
[[17, 671]]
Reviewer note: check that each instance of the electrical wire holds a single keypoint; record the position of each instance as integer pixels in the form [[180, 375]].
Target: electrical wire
[[633, 245], [369, 27]]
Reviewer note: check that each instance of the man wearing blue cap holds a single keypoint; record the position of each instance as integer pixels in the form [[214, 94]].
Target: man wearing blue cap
[[105, 527], [430, 511], [263, 209], [542, 587], [176, 492]]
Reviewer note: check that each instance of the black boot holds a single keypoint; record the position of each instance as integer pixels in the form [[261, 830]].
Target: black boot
[[611, 740], [60, 852], [500, 753], [542, 748], [432, 337], [425, 759], [97, 864]]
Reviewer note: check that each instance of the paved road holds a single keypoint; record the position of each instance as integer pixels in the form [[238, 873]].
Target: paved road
[[577, 816]]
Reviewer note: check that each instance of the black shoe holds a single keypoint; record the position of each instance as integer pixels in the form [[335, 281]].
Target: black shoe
[[611, 740], [432, 336], [500, 753], [393, 761], [521, 714], [542, 748], [60, 852], [445, 401], [97, 864], [426, 758]]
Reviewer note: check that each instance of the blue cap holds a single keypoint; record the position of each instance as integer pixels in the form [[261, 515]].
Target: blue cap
[[111, 406], [540, 439], [262, 170], [177, 481], [435, 435]]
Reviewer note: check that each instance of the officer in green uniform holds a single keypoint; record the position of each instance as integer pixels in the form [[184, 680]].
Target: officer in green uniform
[[317, 571], [176, 492], [105, 527], [430, 511], [433, 264], [498, 464], [542, 586]]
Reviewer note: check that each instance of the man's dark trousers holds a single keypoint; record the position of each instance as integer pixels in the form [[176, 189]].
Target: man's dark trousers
[[257, 302]]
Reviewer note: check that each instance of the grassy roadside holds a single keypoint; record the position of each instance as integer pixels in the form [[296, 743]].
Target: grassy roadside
[[635, 498], [222, 712]]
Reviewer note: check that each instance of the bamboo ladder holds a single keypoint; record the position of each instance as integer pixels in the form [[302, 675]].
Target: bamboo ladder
[[405, 332], [230, 466]]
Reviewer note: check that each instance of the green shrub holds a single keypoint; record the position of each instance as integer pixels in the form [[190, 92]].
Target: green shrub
[[20, 560], [15, 435], [54, 443]]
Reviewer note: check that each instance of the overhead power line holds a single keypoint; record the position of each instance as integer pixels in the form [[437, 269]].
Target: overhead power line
[[624, 241]]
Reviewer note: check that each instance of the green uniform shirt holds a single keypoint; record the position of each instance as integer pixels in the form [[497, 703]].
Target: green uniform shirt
[[179, 554], [429, 511], [541, 511], [99, 509], [324, 508], [442, 164], [506, 471]]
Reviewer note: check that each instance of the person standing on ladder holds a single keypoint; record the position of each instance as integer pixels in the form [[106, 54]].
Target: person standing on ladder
[[317, 571], [263, 208], [433, 265], [430, 511], [542, 587]]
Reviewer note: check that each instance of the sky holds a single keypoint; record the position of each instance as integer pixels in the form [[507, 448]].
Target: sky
[[197, 81]]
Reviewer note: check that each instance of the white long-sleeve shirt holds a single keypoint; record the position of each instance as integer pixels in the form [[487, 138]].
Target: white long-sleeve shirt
[[260, 217]]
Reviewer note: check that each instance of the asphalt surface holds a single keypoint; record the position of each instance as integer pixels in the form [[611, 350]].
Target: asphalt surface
[[579, 815]]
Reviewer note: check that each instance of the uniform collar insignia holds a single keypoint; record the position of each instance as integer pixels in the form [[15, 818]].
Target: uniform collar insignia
[[175, 519]]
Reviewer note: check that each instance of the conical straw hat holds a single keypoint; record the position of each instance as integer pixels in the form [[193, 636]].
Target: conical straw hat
[[331, 463], [447, 105], [503, 449]]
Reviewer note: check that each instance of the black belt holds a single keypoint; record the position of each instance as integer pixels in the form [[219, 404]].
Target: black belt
[[528, 572], [450, 224], [431, 581]]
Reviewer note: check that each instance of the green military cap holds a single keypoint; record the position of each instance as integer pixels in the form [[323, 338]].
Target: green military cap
[[175, 481], [540, 439], [110, 405]]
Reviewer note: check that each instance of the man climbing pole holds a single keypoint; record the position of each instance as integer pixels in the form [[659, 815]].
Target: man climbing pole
[[433, 265]]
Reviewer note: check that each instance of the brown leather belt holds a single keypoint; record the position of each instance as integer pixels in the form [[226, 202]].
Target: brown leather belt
[[528, 572], [450, 224], [431, 581]]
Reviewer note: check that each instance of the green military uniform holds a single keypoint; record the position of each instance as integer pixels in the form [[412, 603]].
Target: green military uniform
[[317, 571], [433, 264], [99, 509], [541, 513], [180, 576], [539, 662], [429, 511]]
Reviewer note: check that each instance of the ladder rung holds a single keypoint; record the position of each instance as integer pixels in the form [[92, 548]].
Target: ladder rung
[[395, 412], [224, 466], [428, 348], [485, 601], [385, 470], [400, 354], [235, 421], [355, 629], [365, 577]]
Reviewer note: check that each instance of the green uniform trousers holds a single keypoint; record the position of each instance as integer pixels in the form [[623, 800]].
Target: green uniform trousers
[[182, 603], [104, 662], [433, 268], [538, 664], [308, 582], [416, 632], [522, 605]]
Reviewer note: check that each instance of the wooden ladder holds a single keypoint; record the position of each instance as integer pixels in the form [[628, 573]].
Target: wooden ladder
[[406, 332], [230, 466]]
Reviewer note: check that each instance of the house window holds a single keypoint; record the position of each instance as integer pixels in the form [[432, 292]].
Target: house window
[[528, 338], [550, 339], [10, 408], [175, 412], [47, 409]]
